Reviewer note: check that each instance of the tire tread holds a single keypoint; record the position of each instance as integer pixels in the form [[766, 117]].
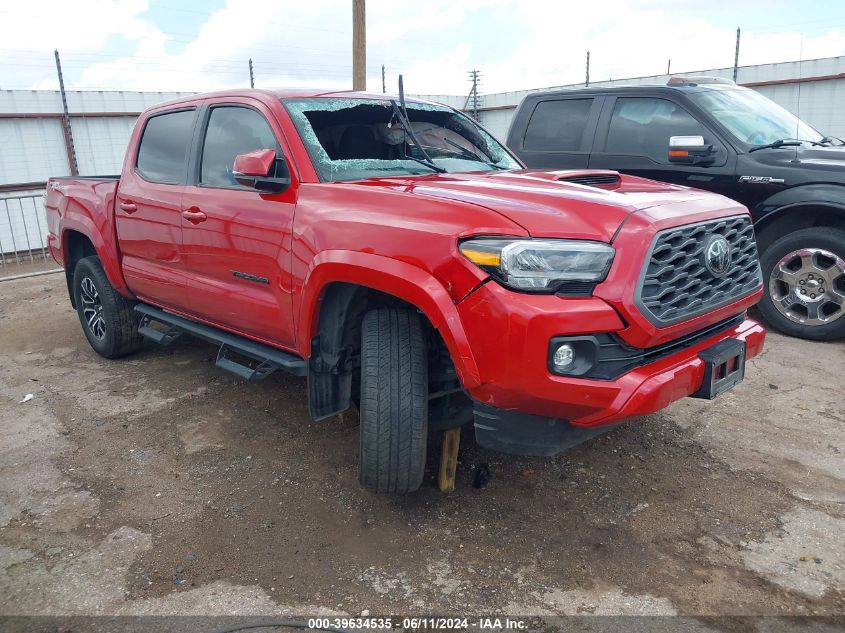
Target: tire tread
[[394, 401], [121, 323]]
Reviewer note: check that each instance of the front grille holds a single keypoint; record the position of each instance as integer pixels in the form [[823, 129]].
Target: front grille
[[593, 180], [677, 284]]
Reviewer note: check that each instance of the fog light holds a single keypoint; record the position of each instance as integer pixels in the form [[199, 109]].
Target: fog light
[[564, 356]]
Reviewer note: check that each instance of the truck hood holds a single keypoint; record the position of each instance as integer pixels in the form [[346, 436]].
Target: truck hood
[[550, 204], [822, 159]]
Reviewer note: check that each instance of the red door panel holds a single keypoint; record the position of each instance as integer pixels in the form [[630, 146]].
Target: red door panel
[[150, 238], [148, 208], [236, 241]]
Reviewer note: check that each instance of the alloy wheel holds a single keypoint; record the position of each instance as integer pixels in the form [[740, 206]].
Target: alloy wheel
[[92, 308], [807, 286]]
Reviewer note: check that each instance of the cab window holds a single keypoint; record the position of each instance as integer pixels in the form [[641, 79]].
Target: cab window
[[163, 152], [232, 130], [558, 125], [641, 126]]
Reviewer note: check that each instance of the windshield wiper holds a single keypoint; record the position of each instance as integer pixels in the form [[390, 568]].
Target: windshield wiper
[[788, 142], [468, 155], [402, 116], [409, 130], [779, 143], [830, 139]]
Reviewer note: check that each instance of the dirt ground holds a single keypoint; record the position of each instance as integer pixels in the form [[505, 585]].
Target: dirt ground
[[160, 485]]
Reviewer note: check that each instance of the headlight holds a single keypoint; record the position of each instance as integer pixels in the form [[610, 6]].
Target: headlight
[[539, 265]]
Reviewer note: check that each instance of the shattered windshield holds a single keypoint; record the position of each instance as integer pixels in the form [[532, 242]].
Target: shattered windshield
[[354, 139]]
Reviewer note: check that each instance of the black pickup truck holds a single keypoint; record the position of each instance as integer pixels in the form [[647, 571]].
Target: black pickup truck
[[712, 134]]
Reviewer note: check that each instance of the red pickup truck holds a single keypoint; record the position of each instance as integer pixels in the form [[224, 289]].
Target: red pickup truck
[[401, 258]]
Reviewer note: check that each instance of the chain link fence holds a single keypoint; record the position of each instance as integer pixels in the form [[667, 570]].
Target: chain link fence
[[23, 236]]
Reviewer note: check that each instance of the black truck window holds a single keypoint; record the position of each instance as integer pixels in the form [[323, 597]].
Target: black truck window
[[558, 125], [163, 152], [641, 126]]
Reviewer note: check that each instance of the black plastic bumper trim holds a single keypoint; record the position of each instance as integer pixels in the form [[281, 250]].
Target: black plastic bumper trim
[[524, 434], [612, 357]]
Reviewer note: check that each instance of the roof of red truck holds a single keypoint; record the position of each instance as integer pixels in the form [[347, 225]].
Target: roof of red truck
[[287, 93]]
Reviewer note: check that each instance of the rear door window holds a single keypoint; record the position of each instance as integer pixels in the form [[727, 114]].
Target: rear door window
[[558, 125], [163, 153]]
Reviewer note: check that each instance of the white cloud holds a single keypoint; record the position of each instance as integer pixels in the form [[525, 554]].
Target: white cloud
[[516, 44]]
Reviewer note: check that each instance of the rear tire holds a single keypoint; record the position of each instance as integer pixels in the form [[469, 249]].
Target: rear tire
[[107, 318], [394, 401], [804, 284]]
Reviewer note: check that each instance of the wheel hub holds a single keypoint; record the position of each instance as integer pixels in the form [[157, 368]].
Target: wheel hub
[[807, 286], [92, 309]]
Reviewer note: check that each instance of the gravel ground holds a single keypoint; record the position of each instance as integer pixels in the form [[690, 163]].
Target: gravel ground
[[160, 485]]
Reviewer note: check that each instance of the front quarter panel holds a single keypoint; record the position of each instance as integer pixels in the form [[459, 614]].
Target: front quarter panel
[[830, 196], [382, 238]]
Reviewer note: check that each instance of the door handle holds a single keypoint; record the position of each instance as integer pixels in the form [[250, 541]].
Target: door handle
[[194, 216], [128, 207]]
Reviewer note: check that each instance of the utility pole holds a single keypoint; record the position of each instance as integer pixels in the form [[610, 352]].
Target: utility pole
[[383, 83], [71, 150], [587, 80], [736, 55], [359, 45], [251, 77], [669, 67], [473, 101]]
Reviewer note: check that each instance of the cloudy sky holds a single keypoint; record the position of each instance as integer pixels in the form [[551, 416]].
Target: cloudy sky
[[205, 44]]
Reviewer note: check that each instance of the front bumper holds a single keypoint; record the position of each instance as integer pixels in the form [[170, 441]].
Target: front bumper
[[510, 335]]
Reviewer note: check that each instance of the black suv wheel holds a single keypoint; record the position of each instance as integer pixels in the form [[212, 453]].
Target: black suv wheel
[[394, 401], [804, 284], [107, 318]]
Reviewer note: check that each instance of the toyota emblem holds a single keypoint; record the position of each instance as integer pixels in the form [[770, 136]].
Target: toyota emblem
[[717, 255]]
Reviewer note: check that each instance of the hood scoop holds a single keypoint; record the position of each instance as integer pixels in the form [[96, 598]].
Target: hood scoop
[[594, 178]]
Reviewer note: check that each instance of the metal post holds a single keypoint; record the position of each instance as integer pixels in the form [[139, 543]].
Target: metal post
[[25, 231], [74, 166], [587, 80], [383, 82], [359, 45], [251, 77], [669, 67], [736, 55], [2, 250], [37, 213], [12, 233]]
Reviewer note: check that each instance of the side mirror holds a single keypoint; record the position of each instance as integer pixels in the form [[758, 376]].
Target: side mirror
[[262, 170], [690, 150]]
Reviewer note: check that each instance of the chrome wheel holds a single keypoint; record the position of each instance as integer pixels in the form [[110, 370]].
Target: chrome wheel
[[92, 308], [807, 286]]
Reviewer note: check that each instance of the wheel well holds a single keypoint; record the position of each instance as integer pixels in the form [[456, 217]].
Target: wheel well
[[77, 246], [336, 344], [795, 218]]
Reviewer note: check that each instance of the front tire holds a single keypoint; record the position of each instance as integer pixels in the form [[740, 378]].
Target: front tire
[[394, 401], [108, 319], [804, 284]]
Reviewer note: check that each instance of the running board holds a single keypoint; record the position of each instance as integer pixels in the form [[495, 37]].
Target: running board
[[234, 349]]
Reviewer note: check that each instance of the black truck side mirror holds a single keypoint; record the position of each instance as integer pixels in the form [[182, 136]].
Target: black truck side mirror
[[690, 150]]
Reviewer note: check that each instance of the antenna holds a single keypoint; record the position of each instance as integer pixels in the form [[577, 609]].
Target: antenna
[[798, 106]]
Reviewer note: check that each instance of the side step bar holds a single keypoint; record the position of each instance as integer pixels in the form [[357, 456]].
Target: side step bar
[[265, 359]]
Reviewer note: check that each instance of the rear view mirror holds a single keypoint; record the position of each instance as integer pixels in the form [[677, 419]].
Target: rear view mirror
[[690, 150], [262, 170]]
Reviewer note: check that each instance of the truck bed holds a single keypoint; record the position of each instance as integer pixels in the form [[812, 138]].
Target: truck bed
[[80, 203]]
